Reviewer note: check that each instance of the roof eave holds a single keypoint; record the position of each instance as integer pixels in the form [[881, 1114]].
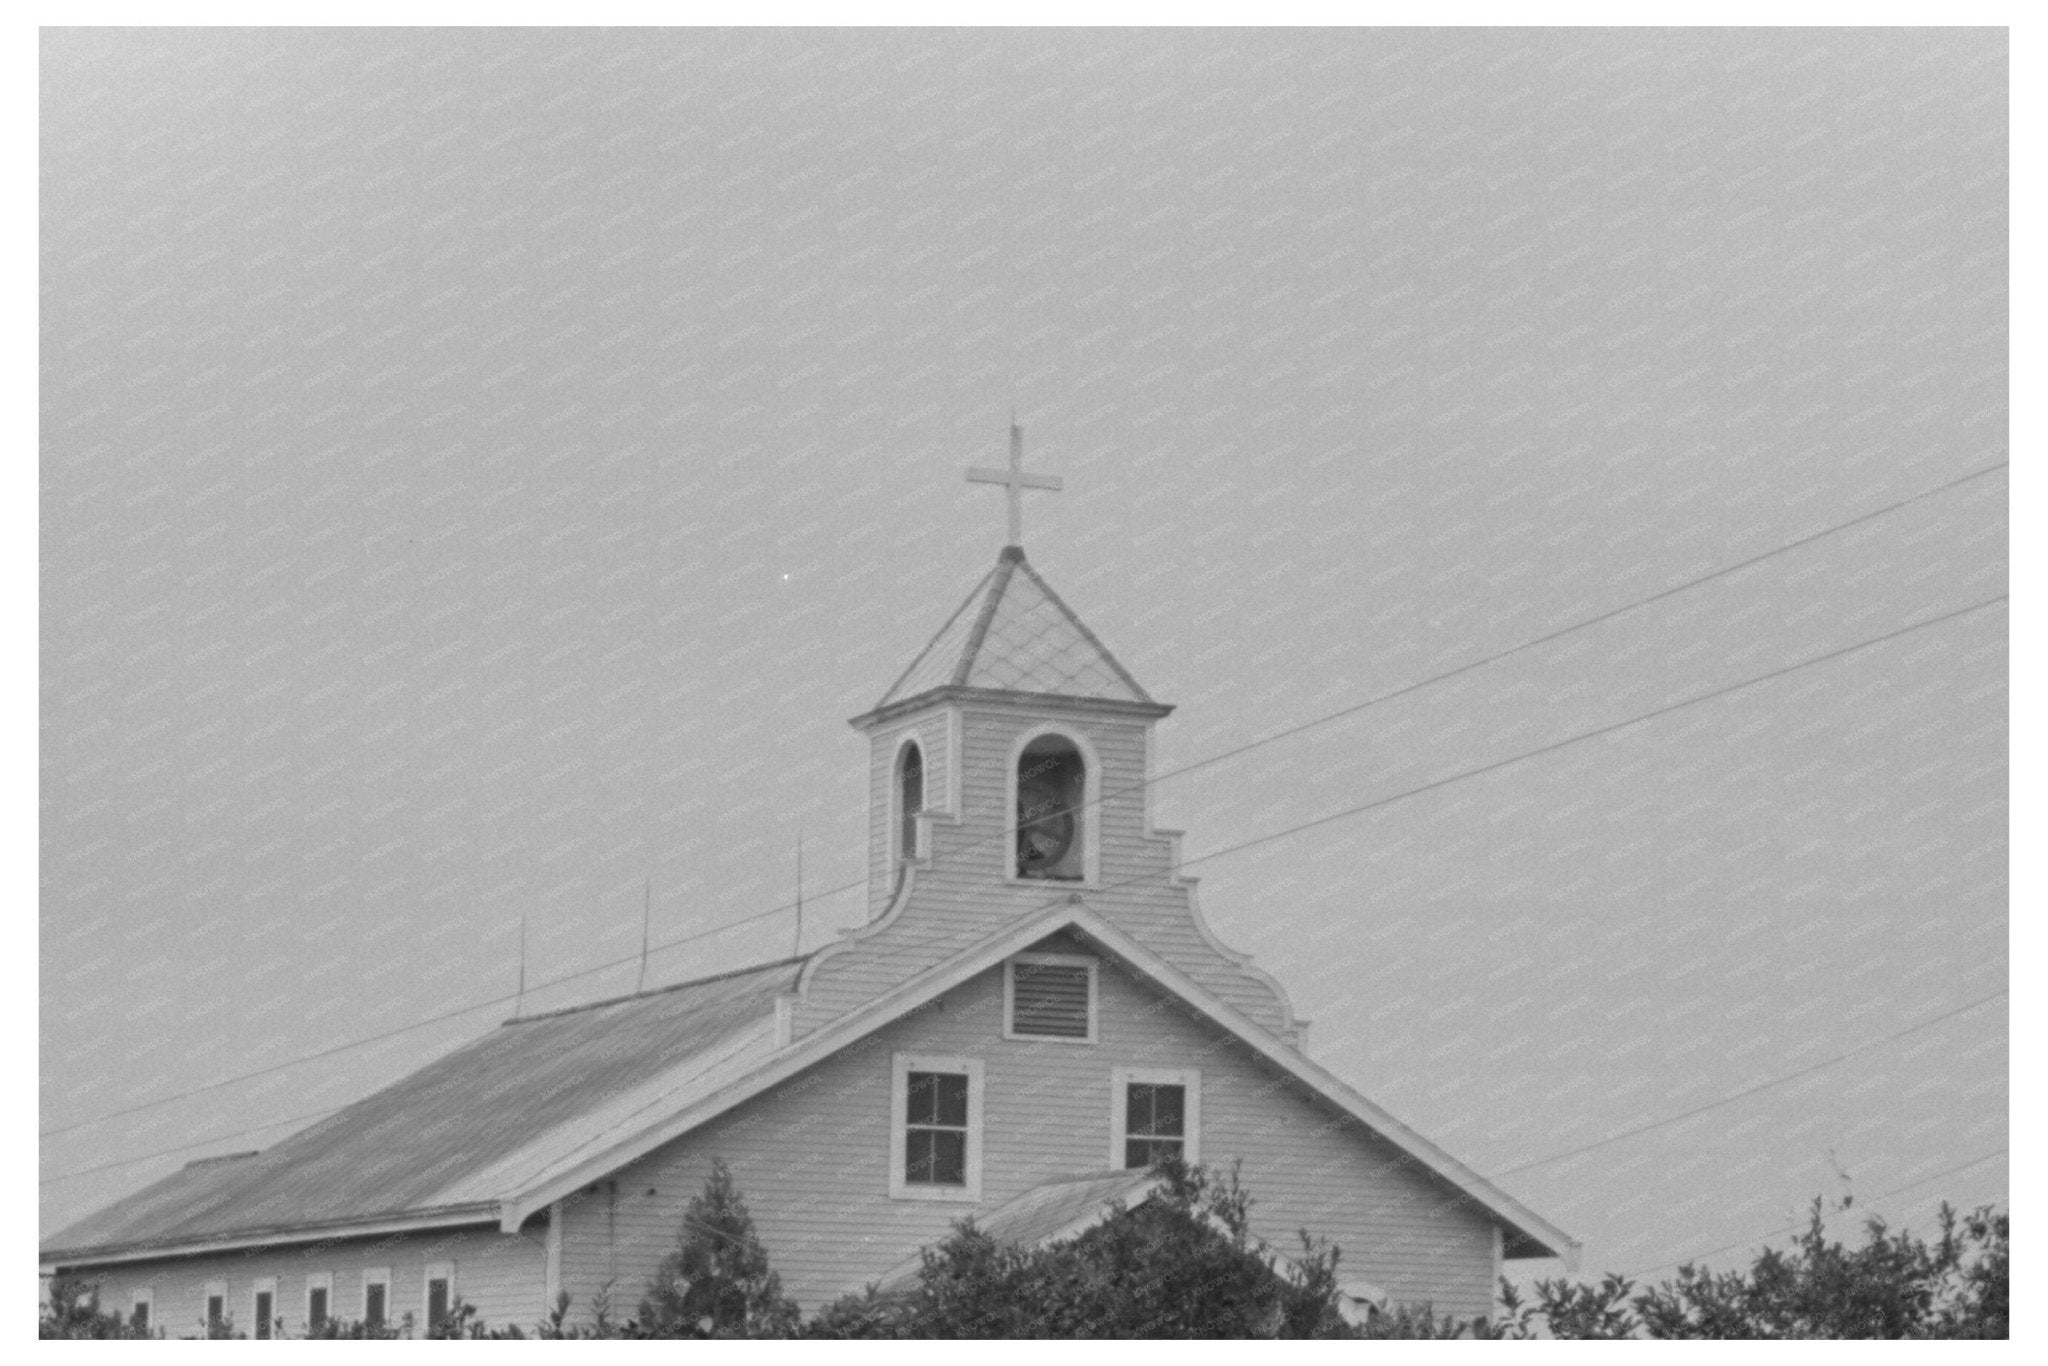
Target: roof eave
[[1007, 697], [475, 1212]]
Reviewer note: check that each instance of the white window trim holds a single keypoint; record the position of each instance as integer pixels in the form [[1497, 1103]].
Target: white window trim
[[901, 1066], [1059, 960], [1090, 813], [144, 1294], [214, 1289], [897, 853], [435, 1271], [318, 1280], [375, 1275], [263, 1285], [1120, 1082]]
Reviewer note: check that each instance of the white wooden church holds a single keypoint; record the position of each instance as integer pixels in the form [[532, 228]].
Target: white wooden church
[[1033, 1012]]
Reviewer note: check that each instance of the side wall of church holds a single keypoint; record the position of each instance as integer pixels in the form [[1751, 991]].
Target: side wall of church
[[503, 1275], [812, 1157]]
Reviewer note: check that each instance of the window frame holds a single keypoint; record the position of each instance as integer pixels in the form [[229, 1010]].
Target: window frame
[[435, 1271], [143, 1297], [374, 1275], [318, 1280], [901, 1065], [262, 1325], [1087, 822], [905, 823], [1121, 1079], [1052, 960], [215, 1290]]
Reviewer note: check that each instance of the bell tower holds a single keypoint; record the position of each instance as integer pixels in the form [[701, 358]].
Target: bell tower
[[1008, 781]]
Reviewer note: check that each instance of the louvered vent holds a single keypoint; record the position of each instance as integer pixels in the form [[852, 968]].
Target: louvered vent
[[1049, 1000]]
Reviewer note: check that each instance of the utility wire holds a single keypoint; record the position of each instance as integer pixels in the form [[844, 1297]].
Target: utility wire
[[1215, 854], [1149, 782], [1752, 1090], [187, 1147], [1793, 1228]]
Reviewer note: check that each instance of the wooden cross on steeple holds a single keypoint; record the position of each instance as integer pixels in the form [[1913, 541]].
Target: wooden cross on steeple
[[1015, 481]]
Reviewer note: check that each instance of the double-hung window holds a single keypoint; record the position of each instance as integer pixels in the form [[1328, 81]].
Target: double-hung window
[[1155, 1113], [142, 1308], [216, 1304], [936, 1128]]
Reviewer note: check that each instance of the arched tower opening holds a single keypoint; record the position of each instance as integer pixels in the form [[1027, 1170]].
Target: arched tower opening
[[1052, 789], [909, 799]]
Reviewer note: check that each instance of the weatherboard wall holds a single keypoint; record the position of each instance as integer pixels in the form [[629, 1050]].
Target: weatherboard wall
[[961, 891], [812, 1157], [503, 1275]]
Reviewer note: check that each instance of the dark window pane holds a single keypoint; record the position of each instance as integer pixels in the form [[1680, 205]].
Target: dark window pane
[[141, 1316], [923, 1107], [316, 1306], [1155, 1110], [215, 1307], [437, 1301], [373, 1303], [952, 1097], [263, 1313], [937, 1098], [935, 1157]]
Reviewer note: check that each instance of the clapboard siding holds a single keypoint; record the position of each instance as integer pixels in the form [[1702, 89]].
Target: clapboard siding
[[503, 1275], [812, 1157], [932, 730], [960, 893]]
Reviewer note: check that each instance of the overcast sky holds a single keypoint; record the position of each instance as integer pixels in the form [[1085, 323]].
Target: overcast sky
[[481, 471]]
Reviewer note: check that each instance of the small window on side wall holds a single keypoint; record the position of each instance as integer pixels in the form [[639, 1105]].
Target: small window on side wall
[[376, 1296], [319, 1300], [263, 1309], [1155, 1113], [142, 1309], [439, 1293], [216, 1304]]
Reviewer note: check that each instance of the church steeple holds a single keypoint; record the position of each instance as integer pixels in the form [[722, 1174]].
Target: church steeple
[[1013, 634]]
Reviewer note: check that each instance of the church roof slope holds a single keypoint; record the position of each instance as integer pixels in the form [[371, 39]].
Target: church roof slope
[[1014, 634], [417, 1145]]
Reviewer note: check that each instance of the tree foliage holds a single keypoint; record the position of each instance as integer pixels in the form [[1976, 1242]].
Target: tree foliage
[[1892, 1286], [1182, 1264], [1185, 1264], [717, 1283]]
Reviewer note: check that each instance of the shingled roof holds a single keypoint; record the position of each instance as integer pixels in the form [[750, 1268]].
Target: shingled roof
[[1013, 634], [448, 1136]]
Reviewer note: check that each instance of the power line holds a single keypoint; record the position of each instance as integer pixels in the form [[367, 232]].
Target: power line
[[1752, 1090], [1149, 782], [1598, 731], [1215, 854], [1792, 1228], [187, 1147]]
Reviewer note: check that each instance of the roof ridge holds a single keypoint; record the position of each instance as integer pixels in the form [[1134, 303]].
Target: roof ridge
[[657, 991], [1005, 570]]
